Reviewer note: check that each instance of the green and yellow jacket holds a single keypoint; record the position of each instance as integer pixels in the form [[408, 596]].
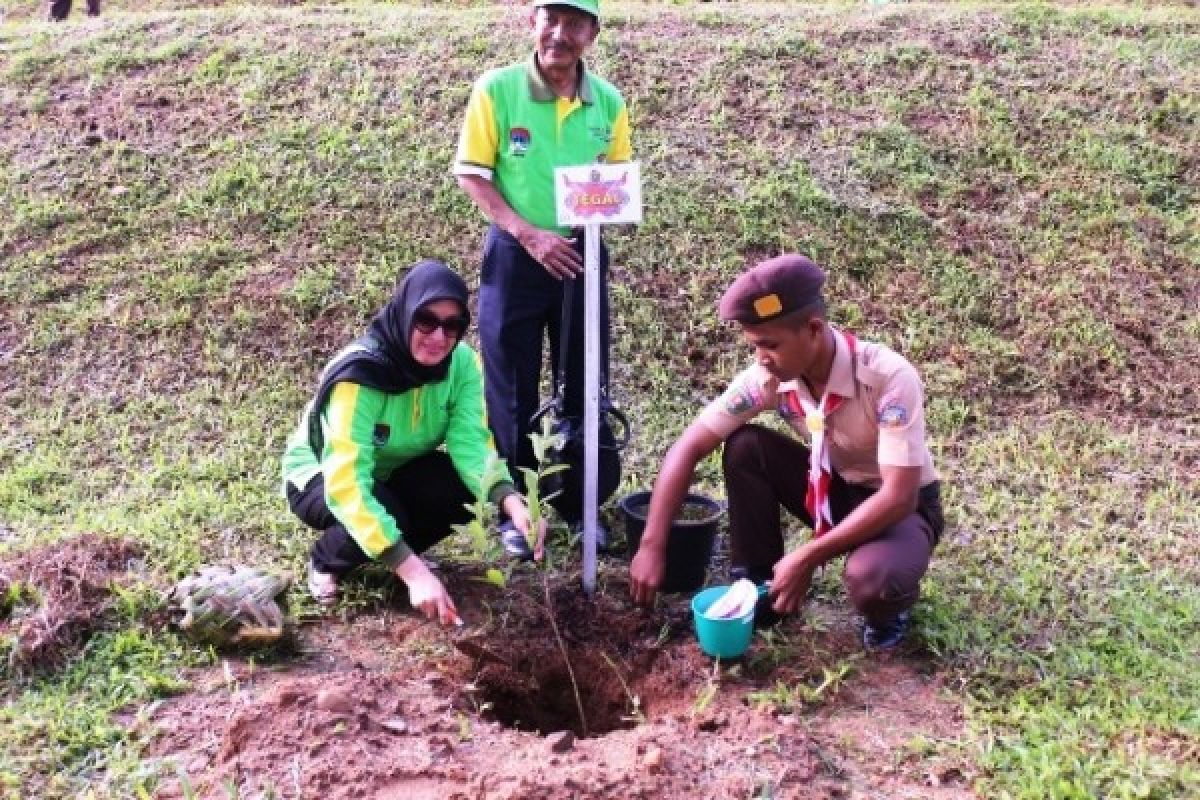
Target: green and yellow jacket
[[367, 434]]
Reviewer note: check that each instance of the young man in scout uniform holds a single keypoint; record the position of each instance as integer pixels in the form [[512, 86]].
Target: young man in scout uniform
[[862, 477], [523, 121]]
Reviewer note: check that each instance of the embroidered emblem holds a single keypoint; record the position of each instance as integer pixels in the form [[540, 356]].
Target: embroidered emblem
[[893, 416], [380, 435], [767, 305], [518, 141], [746, 396]]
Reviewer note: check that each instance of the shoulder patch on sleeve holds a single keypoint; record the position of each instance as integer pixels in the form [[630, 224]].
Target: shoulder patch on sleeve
[[892, 411], [894, 416], [745, 396]]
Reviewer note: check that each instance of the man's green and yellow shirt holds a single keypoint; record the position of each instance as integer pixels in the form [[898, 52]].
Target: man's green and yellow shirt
[[517, 131], [368, 434]]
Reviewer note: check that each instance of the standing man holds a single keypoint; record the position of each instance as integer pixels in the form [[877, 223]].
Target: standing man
[[522, 122], [863, 479]]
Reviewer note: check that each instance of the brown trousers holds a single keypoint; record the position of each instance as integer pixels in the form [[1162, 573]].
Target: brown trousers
[[765, 470]]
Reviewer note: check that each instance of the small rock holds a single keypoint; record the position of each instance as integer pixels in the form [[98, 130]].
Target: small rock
[[334, 700], [395, 725], [653, 759], [285, 697], [560, 741], [440, 747], [197, 766], [119, 191]]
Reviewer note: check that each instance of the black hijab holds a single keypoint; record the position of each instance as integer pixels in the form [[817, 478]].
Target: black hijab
[[382, 359]]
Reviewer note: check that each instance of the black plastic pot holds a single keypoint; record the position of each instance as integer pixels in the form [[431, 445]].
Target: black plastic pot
[[689, 543]]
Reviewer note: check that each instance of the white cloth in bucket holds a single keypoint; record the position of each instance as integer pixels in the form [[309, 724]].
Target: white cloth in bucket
[[736, 603]]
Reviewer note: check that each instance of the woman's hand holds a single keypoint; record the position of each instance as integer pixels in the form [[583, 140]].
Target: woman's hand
[[426, 592], [518, 513]]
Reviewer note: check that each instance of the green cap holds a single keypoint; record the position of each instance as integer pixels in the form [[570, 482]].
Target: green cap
[[588, 6]]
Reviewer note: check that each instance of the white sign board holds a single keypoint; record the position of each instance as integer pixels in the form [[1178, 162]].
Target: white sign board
[[598, 194]]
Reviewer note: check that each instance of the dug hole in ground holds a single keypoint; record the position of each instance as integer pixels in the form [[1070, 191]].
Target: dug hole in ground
[[545, 693]]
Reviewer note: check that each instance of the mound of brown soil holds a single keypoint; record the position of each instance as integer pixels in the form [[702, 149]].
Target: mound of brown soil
[[61, 594]]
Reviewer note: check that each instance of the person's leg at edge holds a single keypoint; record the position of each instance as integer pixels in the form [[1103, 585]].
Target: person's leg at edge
[[763, 470], [515, 295], [516, 300], [58, 10], [573, 395], [761, 474], [426, 497], [882, 577], [569, 502]]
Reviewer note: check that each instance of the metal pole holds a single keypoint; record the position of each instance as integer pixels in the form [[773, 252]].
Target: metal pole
[[591, 401]]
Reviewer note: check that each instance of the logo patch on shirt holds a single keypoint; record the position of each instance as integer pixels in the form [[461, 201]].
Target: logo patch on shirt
[[893, 416], [744, 397], [380, 435], [518, 141]]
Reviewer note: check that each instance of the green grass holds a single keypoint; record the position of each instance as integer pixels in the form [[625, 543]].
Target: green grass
[[200, 207]]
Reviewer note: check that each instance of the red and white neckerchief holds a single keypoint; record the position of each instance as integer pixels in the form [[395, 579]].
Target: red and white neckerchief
[[820, 474]]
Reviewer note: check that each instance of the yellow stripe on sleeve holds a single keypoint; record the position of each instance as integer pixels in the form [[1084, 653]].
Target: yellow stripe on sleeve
[[347, 468], [479, 141], [621, 148]]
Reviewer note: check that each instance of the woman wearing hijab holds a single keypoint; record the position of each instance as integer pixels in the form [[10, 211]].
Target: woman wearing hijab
[[367, 466]]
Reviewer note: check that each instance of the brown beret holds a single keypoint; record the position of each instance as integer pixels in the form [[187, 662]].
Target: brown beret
[[771, 289]]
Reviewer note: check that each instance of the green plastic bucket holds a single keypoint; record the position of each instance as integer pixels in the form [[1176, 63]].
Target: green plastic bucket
[[721, 638]]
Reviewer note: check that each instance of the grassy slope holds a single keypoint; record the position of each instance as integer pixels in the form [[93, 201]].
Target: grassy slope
[[199, 207]]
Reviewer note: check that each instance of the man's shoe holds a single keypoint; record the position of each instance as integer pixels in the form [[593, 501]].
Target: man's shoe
[[602, 538], [887, 635], [515, 544], [323, 586]]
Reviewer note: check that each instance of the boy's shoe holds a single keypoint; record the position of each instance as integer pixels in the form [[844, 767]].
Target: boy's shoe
[[323, 586], [765, 615], [887, 635], [514, 543]]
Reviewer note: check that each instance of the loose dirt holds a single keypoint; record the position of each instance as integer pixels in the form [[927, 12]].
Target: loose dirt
[[382, 704], [53, 598]]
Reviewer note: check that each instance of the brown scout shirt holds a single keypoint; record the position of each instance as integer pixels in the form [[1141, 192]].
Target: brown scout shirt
[[882, 421]]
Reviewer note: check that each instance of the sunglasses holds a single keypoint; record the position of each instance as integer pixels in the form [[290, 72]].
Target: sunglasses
[[427, 322]]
